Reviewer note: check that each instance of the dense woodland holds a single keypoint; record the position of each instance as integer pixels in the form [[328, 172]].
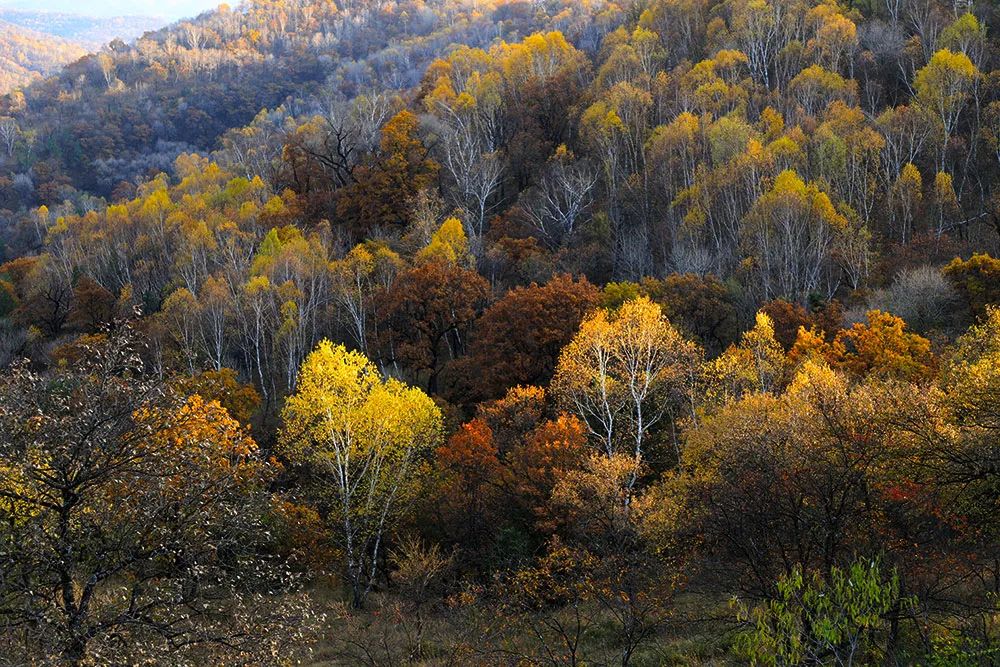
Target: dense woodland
[[469, 332]]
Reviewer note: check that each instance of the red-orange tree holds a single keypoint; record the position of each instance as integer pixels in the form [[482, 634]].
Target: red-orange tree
[[518, 339], [425, 317]]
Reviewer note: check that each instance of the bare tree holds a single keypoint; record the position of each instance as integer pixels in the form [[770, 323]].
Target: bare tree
[[475, 172], [561, 198], [9, 134], [130, 518]]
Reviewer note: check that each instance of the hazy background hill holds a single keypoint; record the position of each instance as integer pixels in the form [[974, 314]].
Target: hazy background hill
[[167, 9], [37, 42], [26, 55], [90, 31]]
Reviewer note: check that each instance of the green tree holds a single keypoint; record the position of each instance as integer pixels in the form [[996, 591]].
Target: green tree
[[816, 620]]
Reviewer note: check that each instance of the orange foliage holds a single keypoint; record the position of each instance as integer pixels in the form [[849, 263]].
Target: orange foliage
[[882, 348], [554, 448]]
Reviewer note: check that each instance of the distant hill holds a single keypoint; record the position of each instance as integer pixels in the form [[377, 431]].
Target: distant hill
[[89, 32], [119, 116], [26, 55]]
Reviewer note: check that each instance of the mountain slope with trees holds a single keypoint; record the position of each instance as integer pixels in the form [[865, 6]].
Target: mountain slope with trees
[[26, 55], [90, 32], [664, 332]]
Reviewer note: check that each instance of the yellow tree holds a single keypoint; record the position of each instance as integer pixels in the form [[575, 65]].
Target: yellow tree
[[965, 462], [791, 230], [757, 364], [354, 281], [907, 192], [365, 436], [943, 86], [449, 245], [972, 376], [623, 372]]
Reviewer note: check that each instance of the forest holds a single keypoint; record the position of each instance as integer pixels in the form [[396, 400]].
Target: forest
[[507, 332]]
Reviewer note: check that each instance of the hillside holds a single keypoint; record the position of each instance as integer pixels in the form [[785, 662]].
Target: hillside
[[90, 32], [26, 55], [139, 106], [507, 332]]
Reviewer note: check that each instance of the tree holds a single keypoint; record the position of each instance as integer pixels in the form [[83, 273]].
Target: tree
[[240, 400], [603, 517], [448, 245], [977, 280], [923, 298], [400, 169], [700, 306], [882, 347], [615, 128], [965, 460], [425, 317], [47, 297], [769, 482], [756, 364], [9, 134], [180, 323], [944, 202], [942, 86], [93, 306], [355, 281], [365, 436], [553, 450], [476, 169], [518, 339], [215, 309], [622, 373], [791, 229], [816, 619], [814, 88], [131, 516], [757, 28], [548, 601], [561, 197], [471, 502], [907, 192]]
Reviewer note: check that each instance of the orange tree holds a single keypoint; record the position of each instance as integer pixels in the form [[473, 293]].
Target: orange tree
[[425, 316], [882, 348]]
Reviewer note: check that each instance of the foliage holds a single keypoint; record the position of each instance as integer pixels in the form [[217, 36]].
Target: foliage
[[623, 373], [557, 322], [132, 518], [976, 279], [835, 620], [365, 436]]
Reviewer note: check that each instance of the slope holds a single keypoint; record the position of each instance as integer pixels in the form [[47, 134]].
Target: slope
[[26, 55], [90, 32]]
